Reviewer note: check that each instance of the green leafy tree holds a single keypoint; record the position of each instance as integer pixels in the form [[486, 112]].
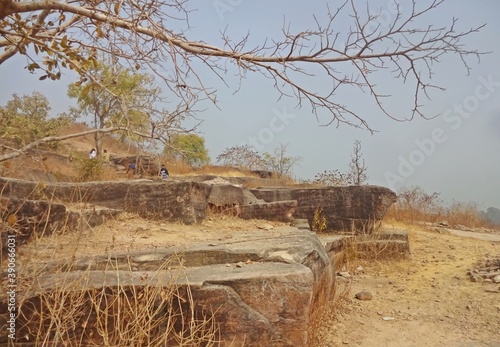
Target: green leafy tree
[[115, 97], [26, 119], [188, 147]]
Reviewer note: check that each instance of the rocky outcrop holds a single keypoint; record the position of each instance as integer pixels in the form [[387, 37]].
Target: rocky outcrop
[[172, 201], [24, 218], [261, 287], [359, 208]]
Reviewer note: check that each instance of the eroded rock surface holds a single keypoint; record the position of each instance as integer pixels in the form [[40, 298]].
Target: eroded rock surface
[[262, 286], [353, 208], [359, 208]]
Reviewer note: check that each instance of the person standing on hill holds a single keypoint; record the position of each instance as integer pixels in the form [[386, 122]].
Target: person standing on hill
[[163, 172], [105, 157], [92, 153]]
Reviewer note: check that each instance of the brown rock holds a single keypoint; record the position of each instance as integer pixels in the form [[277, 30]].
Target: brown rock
[[265, 297], [358, 208], [364, 295]]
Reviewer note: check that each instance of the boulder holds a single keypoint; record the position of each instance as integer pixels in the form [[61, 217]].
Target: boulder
[[172, 201], [353, 208], [261, 287], [145, 165]]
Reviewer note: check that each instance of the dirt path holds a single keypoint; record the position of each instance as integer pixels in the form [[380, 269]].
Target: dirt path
[[425, 301]]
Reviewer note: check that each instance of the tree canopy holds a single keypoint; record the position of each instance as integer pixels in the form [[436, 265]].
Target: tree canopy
[[26, 119], [189, 148], [124, 98]]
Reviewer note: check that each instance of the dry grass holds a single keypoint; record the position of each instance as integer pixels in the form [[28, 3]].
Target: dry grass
[[57, 306], [83, 144], [223, 171], [415, 206], [72, 311], [326, 313]]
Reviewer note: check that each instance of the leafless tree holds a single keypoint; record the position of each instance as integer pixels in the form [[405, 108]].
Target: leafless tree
[[357, 168], [279, 162], [242, 157], [54, 35]]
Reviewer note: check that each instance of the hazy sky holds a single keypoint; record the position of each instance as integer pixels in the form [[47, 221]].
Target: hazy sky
[[455, 154]]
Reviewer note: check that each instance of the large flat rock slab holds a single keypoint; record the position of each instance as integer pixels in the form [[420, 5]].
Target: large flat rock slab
[[172, 201], [262, 286], [352, 208]]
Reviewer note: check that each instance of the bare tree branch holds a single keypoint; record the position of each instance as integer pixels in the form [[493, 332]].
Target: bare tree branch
[[139, 33], [22, 151]]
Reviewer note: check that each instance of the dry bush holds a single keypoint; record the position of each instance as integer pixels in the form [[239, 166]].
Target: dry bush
[[415, 205], [327, 313], [319, 223], [464, 213]]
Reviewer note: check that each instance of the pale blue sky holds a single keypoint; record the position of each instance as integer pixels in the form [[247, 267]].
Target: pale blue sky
[[455, 154]]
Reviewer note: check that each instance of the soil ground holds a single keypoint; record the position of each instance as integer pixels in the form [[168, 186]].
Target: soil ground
[[427, 300]]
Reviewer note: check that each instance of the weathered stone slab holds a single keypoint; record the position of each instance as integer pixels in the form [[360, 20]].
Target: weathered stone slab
[[353, 208], [226, 196], [172, 201], [381, 245], [384, 244], [282, 211], [260, 304], [262, 287], [24, 218]]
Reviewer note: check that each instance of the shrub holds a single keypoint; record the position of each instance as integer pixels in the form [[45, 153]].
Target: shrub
[[319, 223], [89, 169]]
